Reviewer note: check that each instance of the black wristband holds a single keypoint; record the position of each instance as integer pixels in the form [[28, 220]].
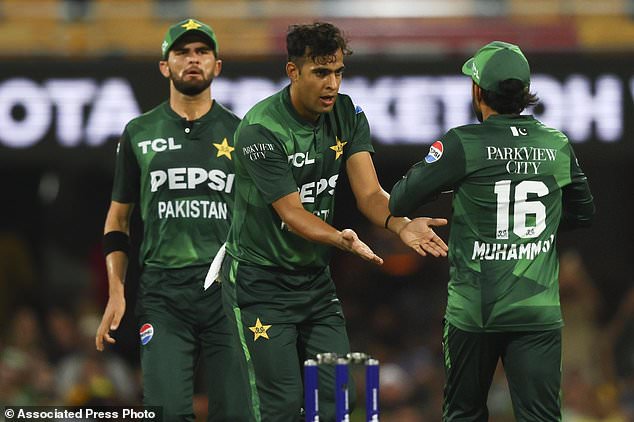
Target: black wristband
[[116, 241], [387, 220]]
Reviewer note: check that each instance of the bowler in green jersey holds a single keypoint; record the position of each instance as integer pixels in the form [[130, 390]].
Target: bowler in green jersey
[[290, 150], [515, 183], [177, 163]]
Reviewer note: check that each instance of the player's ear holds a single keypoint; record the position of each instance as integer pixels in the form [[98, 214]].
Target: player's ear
[[292, 71], [218, 68], [477, 92], [164, 69]]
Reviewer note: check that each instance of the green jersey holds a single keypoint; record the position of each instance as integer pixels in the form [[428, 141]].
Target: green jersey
[[514, 180], [181, 173], [277, 153]]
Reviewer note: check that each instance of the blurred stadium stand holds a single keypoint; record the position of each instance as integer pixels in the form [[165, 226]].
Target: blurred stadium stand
[[254, 28], [56, 179]]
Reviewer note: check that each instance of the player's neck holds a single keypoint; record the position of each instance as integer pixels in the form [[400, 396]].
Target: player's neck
[[299, 108], [191, 107], [487, 111]]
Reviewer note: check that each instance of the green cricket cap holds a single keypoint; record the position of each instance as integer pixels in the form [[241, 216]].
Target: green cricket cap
[[187, 26], [497, 62]]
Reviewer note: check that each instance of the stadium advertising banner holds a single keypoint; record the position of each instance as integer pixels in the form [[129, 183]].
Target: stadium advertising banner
[[70, 113]]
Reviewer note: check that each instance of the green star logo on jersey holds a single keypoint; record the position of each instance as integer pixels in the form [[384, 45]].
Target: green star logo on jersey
[[338, 149], [191, 25], [224, 149], [259, 330]]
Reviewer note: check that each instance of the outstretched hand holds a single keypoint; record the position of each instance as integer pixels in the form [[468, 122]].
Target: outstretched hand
[[110, 321], [418, 235], [350, 242]]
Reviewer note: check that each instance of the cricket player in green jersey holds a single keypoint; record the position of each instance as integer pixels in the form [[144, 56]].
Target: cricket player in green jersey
[[290, 150], [515, 182], [176, 161]]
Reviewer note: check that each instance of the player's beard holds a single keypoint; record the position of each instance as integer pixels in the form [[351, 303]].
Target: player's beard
[[192, 87], [477, 110]]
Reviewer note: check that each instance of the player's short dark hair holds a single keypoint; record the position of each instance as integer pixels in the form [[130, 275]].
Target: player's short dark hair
[[513, 97], [319, 39]]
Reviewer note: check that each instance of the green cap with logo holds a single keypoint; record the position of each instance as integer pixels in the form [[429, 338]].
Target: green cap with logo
[[187, 26], [497, 62]]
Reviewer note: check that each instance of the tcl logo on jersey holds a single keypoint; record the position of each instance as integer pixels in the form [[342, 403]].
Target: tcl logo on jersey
[[435, 152], [159, 145], [300, 159], [190, 177]]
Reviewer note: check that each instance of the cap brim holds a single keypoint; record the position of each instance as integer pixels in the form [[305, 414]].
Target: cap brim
[[467, 66]]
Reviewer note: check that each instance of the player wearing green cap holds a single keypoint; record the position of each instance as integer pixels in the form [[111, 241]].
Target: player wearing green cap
[[515, 183], [290, 150], [177, 163]]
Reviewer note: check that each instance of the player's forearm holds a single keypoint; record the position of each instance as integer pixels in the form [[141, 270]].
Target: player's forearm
[[401, 203], [116, 267], [311, 227], [375, 208], [415, 190], [116, 245], [578, 206]]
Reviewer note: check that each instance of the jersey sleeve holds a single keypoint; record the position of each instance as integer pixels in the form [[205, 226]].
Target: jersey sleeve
[[578, 203], [361, 139], [266, 162], [126, 185], [439, 171]]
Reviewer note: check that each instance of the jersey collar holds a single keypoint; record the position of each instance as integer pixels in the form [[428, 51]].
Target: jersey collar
[[205, 117], [494, 118]]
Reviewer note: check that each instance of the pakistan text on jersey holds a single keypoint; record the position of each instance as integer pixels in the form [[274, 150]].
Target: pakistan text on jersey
[[323, 214], [510, 252], [192, 208]]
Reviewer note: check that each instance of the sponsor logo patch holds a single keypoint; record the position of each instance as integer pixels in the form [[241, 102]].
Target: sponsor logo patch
[[435, 152], [146, 333]]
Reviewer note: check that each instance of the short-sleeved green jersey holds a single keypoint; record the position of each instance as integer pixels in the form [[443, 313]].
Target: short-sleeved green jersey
[[514, 180], [277, 153], [181, 173]]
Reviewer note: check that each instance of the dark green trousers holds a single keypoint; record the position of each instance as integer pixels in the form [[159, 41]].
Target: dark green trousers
[[282, 318], [532, 363], [180, 324]]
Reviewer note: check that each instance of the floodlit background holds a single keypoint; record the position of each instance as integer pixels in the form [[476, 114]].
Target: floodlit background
[[73, 72]]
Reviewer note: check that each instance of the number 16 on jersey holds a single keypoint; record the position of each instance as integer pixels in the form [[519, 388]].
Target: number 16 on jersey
[[523, 209]]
